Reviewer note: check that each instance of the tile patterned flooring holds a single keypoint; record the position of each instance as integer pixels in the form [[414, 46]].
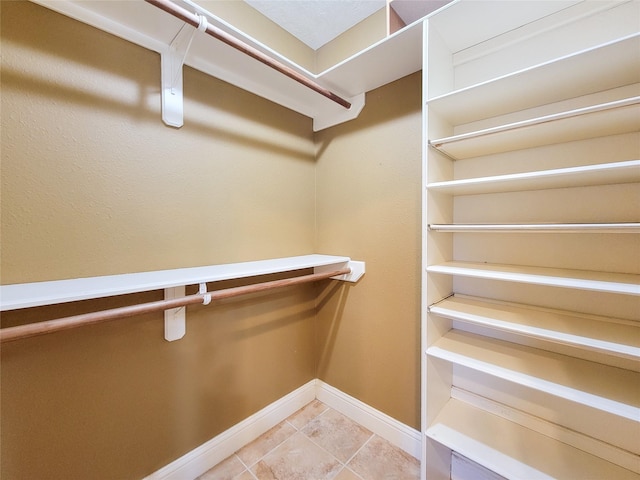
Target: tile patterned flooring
[[317, 443]]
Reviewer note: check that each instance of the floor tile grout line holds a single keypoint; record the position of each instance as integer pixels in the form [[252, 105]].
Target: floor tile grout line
[[345, 463], [358, 451], [246, 467], [347, 467], [312, 418], [269, 451], [294, 427], [296, 430], [291, 431]]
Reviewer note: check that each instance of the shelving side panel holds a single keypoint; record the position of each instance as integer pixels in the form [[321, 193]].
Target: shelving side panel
[[436, 375]]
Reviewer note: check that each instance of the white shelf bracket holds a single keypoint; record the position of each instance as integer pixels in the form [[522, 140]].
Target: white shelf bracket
[[172, 61], [175, 318], [357, 270]]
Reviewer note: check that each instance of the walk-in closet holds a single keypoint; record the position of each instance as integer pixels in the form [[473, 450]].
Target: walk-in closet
[[408, 248]]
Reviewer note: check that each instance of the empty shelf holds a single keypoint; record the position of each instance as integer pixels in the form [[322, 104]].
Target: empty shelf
[[623, 283], [512, 450], [588, 175], [35, 294], [566, 77], [540, 228], [588, 383], [610, 118], [597, 334]]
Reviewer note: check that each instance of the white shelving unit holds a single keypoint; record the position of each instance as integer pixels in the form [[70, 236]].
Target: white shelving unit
[[531, 186]]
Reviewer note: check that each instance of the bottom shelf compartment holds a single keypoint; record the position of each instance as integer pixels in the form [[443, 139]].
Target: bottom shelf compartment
[[514, 451]]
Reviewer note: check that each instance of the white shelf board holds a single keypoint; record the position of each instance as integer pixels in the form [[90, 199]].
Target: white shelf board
[[514, 451], [538, 228], [622, 283], [611, 118], [388, 60], [35, 294], [151, 28], [588, 383], [566, 77], [589, 175], [598, 334]]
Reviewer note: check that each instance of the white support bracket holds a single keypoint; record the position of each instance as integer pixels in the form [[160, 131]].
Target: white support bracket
[[171, 62], [357, 270], [174, 319]]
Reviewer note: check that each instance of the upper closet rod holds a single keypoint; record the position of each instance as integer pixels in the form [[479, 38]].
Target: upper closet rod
[[24, 331], [192, 19]]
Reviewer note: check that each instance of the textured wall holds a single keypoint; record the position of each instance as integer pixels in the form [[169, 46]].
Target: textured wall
[[369, 207], [369, 31], [93, 183]]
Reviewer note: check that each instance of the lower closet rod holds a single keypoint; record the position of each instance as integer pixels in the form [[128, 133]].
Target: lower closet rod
[[192, 19], [40, 328]]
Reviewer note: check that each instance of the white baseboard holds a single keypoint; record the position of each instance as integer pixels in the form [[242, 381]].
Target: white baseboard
[[209, 454], [395, 432], [212, 452]]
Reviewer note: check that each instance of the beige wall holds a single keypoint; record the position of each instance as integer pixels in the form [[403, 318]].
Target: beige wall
[[92, 183], [359, 37], [369, 207]]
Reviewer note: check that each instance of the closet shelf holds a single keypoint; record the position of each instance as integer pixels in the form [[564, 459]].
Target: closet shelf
[[539, 228], [616, 337], [587, 383], [147, 26], [496, 443], [566, 77], [25, 295], [589, 175], [620, 116], [622, 283]]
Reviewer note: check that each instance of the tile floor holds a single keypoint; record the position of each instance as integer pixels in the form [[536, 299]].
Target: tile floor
[[317, 443]]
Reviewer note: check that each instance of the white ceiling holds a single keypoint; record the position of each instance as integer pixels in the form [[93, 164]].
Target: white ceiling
[[316, 22]]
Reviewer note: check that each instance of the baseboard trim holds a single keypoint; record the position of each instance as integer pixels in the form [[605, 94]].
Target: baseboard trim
[[395, 432], [212, 452]]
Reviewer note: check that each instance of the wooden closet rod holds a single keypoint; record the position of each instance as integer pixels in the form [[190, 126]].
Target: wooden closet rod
[[50, 326], [192, 19]]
